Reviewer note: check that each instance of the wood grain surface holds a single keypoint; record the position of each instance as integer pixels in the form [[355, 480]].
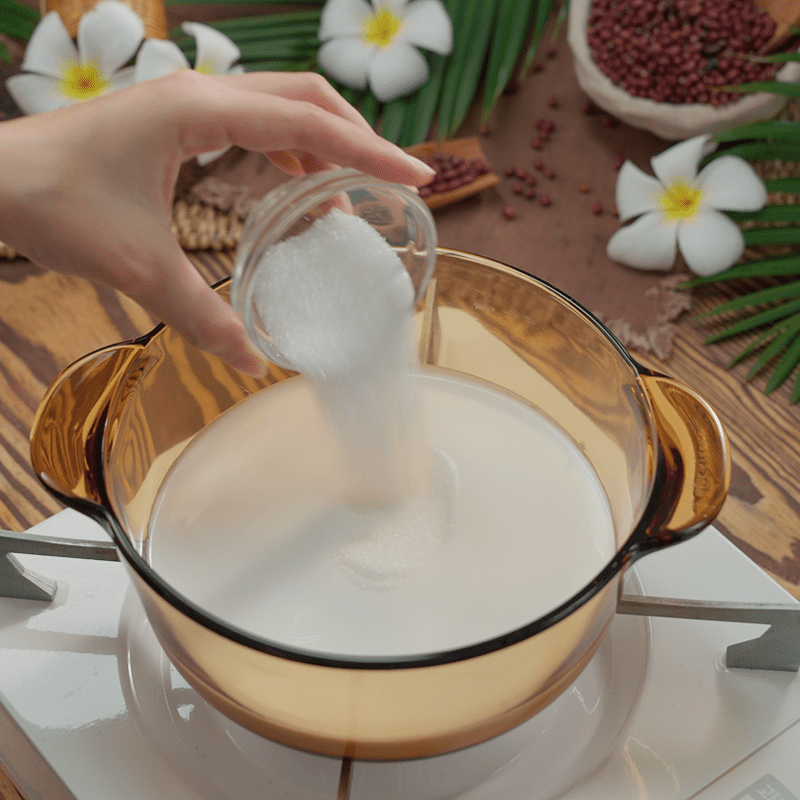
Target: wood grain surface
[[48, 320]]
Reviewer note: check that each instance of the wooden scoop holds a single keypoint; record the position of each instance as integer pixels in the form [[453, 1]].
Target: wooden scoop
[[786, 14]]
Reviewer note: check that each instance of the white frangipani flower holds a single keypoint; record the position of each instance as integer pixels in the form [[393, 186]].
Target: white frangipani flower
[[680, 208], [56, 73], [376, 44], [216, 55]]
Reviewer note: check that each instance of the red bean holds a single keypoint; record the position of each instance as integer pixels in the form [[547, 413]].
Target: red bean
[[677, 51]]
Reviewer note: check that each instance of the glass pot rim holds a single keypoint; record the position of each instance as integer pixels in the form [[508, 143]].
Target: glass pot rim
[[642, 539]]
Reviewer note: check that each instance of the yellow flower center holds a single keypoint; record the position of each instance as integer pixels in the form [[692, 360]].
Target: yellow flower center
[[206, 67], [382, 27], [680, 200], [83, 81]]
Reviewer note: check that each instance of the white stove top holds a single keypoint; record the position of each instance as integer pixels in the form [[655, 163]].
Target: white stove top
[[90, 709]]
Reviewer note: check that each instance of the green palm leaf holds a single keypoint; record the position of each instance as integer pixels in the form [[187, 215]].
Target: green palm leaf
[[775, 58], [785, 366], [784, 334], [788, 185], [393, 117], [754, 345], [776, 213], [544, 9], [773, 87], [772, 236], [752, 322], [512, 22], [422, 110], [471, 31], [370, 108], [771, 294], [759, 150], [774, 129], [17, 21], [784, 337], [785, 265]]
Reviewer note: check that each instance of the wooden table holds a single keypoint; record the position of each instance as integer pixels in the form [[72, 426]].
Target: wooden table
[[48, 320]]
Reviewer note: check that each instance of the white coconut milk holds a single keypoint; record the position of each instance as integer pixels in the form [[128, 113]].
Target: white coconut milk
[[251, 525], [364, 509]]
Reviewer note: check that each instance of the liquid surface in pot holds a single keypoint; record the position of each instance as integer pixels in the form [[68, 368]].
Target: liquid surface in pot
[[509, 522]]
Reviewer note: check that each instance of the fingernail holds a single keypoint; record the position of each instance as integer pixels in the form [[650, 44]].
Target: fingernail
[[420, 165]]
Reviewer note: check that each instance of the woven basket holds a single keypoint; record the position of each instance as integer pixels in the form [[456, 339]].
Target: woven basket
[[152, 13]]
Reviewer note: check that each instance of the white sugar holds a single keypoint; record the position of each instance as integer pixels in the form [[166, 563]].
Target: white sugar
[[336, 297], [338, 303]]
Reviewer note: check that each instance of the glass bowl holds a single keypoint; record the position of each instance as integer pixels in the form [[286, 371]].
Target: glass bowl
[[395, 212]]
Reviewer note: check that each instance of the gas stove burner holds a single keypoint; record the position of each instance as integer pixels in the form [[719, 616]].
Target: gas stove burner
[[553, 751]]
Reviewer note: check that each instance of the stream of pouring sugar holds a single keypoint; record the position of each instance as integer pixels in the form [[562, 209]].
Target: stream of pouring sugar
[[338, 303]]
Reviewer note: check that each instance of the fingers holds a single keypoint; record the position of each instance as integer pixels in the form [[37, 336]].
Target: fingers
[[308, 86], [267, 123], [295, 163], [180, 297], [209, 113]]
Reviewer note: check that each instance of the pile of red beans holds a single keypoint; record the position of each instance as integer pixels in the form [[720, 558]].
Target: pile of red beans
[[452, 172], [680, 51]]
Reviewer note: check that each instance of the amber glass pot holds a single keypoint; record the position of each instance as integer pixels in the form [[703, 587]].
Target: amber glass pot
[[110, 427]]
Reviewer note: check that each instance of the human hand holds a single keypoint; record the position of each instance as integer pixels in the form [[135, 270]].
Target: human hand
[[87, 190]]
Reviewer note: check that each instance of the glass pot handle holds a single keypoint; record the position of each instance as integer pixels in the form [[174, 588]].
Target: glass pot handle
[[67, 433], [694, 476]]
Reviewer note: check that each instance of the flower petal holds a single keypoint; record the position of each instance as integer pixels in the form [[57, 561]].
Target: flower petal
[[427, 24], [398, 7], [36, 93], [109, 35], [647, 243], [637, 192], [710, 243], [730, 183], [159, 57], [346, 60], [343, 18], [680, 160], [216, 53], [122, 78], [396, 70], [49, 47]]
